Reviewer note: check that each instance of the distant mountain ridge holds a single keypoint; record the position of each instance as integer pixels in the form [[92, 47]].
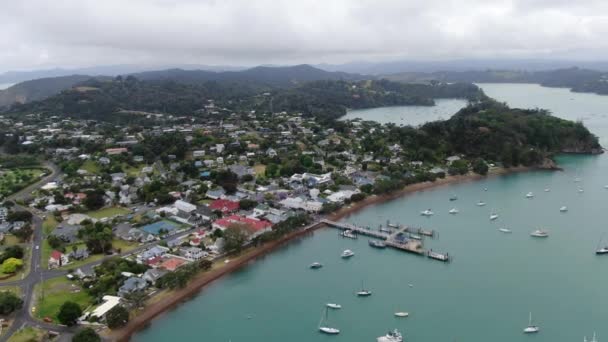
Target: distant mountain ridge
[[258, 76]]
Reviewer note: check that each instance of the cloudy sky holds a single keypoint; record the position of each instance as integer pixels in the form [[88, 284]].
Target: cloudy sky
[[77, 33]]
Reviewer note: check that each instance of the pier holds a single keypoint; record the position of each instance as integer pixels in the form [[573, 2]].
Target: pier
[[399, 238]]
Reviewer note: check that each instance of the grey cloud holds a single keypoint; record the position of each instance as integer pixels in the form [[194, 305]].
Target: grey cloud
[[70, 33]]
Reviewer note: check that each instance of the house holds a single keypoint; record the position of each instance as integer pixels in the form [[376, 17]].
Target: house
[[68, 233], [437, 170], [131, 285], [109, 302], [173, 263], [225, 206], [153, 274], [79, 254], [271, 152], [138, 159], [449, 160], [254, 226], [58, 259], [205, 213], [156, 251], [300, 203], [192, 253], [219, 148], [115, 151], [241, 170]]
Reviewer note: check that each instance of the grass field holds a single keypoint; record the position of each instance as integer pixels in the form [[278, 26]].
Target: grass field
[[14, 180], [124, 246], [14, 289], [108, 212], [52, 293], [28, 334], [10, 240], [49, 223], [259, 169], [91, 167]]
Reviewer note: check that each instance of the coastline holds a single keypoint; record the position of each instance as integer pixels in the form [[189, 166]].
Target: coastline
[[201, 281]]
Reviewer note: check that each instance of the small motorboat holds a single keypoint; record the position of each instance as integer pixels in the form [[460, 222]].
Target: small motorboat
[[453, 211], [601, 248], [377, 244], [349, 234], [415, 236], [531, 328], [316, 265], [577, 180], [401, 314], [530, 195], [333, 306], [453, 198], [540, 233], [481, 203], [391, 336], [605, 186], [504, 230], [547, 189], [347, 253], [581, 190], [427, 212], [563, 209], [493, 217]]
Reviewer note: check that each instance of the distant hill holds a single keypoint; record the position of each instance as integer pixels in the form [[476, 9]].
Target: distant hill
[[38, 89], [262, 75], [577, 79], [258, 77]]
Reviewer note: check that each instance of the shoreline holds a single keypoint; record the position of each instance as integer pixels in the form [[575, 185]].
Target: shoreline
[[200, 282]]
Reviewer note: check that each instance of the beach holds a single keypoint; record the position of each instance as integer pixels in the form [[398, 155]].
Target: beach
[[157, 308]]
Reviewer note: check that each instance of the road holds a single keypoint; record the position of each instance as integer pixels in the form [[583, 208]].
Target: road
[[37, 274]]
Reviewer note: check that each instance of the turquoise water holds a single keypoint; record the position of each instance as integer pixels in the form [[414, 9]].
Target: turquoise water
[[485, 294], [409, 115]]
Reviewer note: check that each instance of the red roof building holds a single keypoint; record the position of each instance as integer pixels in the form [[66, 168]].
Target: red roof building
[[255, 226], [172, 264], [225, 206]]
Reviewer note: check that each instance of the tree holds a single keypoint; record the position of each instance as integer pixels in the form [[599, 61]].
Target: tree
[[117, 317], [24, 233], [480, 167], [11, 265], [205, 264], [86, 335], [247, 204], [69, 312], [94, 199], [21, 215], [137, 298], [235, 235], [9, 302], [54, 241], [12, 252]]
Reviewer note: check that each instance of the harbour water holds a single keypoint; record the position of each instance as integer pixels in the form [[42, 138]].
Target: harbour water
[[409, 115], [485, 294], [5, 85]]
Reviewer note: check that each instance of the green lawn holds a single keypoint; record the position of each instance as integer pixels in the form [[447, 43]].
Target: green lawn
[[91, 167], [10, 240], [28, 334], [52, 293], [108, 212], [14, 289], [125, 246], [14, 180], [49, 224]]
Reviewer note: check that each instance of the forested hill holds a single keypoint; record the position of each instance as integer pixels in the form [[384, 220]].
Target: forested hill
[[577, 79], [493, 131], [107, 100], [260, 76], [38, 89]]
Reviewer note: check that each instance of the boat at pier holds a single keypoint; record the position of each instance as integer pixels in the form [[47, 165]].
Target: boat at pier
[[349, 234], [438, 256], [377, 244]]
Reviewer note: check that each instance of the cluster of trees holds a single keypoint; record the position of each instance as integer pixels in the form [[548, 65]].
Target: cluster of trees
[[9, 302], [11, 259], [282, 228], [86, 335], [97, 236], [180, 277], [69, 312], [108, 276]]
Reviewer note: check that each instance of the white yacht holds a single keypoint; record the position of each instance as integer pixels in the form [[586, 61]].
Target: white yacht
[[580, 190], [563, 209], [481, 203], [316, 265], [347, 253], [493, 217], [349, 234], [530, 194], [577, 180], [427, 212], [363, 292], [333, 306], [324, 326], [531, 327], [601, 248], [540, 233], [504, 230], [453, 211], [401, 314], [391, 336], [547, 189]]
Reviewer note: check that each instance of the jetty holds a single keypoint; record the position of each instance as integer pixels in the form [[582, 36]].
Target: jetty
[[400, 237]]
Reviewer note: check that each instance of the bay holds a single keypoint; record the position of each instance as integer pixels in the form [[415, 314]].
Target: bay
[[5, 85], [485, 294], [408, 115]]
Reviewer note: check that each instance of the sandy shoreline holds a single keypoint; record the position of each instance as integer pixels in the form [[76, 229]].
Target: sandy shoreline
[[198, 284]]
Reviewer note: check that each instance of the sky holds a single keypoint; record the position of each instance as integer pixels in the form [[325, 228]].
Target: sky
[[37, 34]]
